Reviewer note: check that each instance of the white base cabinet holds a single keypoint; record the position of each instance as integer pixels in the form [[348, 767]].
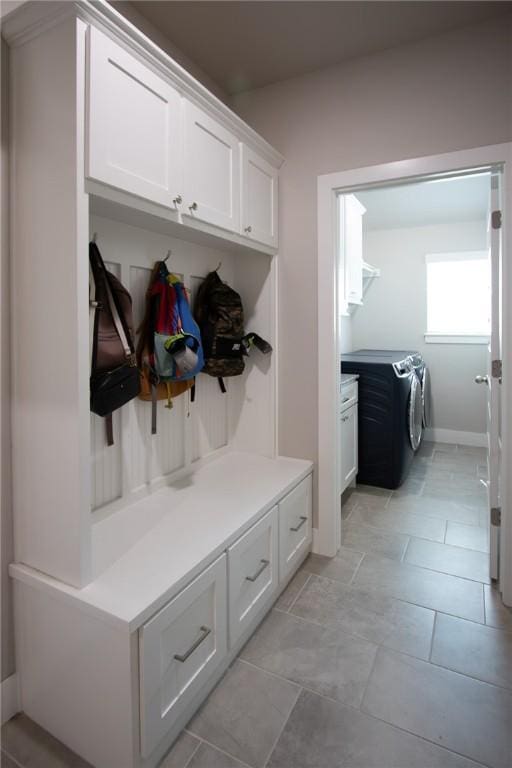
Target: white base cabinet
[[147, 684], [253, 573], [180, 648], [349, 446], [295, 527]]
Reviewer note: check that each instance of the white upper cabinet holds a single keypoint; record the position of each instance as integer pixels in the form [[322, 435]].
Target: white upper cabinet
[[352, 233], [212, 163], [259, 198], [134, 125]]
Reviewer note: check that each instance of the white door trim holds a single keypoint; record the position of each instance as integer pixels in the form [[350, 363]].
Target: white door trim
[[326, 536]]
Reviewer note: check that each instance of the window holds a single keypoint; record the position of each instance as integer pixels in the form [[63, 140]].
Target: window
[[458, 297]]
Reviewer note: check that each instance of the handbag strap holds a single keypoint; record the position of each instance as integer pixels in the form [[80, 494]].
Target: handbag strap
[[96, 260], [128, 350], [92, 313]]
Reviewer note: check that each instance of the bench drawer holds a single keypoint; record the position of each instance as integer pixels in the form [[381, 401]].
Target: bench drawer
[[253, 573], [295, 527], [179, 649]]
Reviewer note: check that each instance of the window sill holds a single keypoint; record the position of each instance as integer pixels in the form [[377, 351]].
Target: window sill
[[455, 338]]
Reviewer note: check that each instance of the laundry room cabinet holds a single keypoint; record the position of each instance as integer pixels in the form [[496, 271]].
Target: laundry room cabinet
[[134, 125], [348, 434], [351, 247]]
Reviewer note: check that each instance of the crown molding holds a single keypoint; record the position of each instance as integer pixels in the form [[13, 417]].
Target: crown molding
[[33, 18]]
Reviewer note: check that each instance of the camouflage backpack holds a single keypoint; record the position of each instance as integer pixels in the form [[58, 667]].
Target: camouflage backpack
[[219, 314]]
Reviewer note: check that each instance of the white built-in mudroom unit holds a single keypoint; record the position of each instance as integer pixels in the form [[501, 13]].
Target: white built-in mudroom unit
[[142, 567]]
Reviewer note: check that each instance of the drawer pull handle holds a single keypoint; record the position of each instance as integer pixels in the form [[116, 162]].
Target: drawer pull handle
[[264, 564], [302, 521], [205, 631]]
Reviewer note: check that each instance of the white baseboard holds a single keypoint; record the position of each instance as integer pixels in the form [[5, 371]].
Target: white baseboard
[[435, 435], [10, 700]]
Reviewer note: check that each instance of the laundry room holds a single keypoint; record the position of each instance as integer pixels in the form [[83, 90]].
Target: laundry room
[[424, 295]]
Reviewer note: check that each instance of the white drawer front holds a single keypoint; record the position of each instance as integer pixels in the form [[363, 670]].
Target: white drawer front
[[180, 648], [348, 395], [253, 573], [295, 527]]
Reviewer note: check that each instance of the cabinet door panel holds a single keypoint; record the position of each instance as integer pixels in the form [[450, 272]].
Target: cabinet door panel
[[295, 527], [180, 648], [253, 573], [349, 446], [212, 162], [134, 125], [353, 230], [259, 198]]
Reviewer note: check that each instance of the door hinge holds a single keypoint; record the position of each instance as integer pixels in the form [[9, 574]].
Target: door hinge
[[496, 219], [496, 516], [496, 369]]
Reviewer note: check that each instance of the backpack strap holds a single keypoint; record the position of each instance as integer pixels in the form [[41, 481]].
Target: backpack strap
[[109, 427], [153, 407], [221, 384]]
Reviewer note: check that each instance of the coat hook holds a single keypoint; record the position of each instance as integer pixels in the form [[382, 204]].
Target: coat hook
[[219, 265], [168, 255], [95, 237]]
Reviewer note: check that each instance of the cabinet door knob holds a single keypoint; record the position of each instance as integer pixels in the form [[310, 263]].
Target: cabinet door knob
[[248, 229], [193, 207], [178, 200]]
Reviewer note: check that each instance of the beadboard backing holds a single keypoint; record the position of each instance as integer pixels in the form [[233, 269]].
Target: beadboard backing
[[138, 463]]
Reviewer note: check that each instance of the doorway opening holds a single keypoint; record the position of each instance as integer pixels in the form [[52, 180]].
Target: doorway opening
[[416, 259]]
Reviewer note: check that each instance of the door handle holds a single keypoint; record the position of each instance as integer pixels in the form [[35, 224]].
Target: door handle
[[205, 631], [302, 521], [264, 564], [481, 380]]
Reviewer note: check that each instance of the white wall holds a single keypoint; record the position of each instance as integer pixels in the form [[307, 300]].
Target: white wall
[[443, 94], [394, 316], [5, 420]]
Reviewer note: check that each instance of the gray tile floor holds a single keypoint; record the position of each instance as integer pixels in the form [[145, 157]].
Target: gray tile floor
[[395, 654]]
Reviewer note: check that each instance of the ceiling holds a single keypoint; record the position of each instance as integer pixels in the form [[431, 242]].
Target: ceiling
[[250, 44], [426, 203]]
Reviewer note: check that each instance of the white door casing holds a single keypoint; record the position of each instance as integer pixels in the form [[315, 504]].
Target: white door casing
[[330, 186]]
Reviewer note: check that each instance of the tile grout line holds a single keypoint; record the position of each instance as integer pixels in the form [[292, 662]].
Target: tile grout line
[[432, 638], [356, 587], [11, 757], [358, 566], [301, 590], [404, 553], [214, 746], [297, 685], [199, 742], [274, 745], [478, 764]]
